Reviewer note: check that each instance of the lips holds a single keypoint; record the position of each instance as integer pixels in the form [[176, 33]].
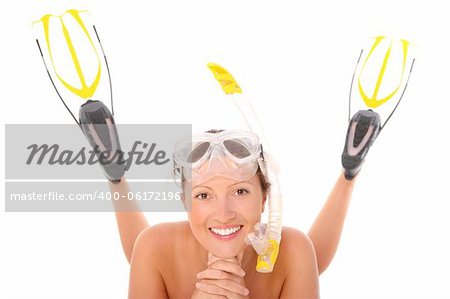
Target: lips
[[226, 232]]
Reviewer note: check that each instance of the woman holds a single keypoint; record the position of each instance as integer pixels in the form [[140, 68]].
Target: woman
[[180, 260], [207, 257], [175, 260]]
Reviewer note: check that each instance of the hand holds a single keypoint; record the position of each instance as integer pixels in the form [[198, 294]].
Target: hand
[[224, 278], [202, 295]]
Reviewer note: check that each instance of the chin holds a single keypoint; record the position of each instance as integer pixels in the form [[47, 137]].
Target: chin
[[227, 251], [226, 248]]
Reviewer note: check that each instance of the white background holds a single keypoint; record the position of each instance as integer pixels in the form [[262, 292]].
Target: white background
[[295, 60]]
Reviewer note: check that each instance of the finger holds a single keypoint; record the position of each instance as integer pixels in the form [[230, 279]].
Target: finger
[[209, 296], [222, 287], [240, 256], [227, 267], [218, 274], [212, 259]]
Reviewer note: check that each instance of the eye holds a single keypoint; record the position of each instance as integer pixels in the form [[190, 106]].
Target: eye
[[202, 196], [242, 192]]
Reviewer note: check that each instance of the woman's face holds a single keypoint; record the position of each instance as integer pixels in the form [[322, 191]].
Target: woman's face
[[223, 211]]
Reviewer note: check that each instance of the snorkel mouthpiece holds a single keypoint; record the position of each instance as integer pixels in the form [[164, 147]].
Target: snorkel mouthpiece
[[267, 247]]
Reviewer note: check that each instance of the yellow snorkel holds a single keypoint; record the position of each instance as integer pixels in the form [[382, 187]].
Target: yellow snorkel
[[266, 239]]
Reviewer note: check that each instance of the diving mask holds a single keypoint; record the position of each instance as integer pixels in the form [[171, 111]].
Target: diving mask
[[232, 154]]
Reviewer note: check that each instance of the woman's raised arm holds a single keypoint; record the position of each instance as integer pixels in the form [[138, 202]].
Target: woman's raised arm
[[326, 231], [130, 219]]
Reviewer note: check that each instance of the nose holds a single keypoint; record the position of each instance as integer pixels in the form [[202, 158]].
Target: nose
[[225, 210]]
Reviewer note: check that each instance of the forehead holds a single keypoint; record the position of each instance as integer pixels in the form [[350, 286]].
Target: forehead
[[219, 181]]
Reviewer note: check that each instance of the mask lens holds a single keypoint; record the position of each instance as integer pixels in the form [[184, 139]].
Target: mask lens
[[198, 152], [236, 148]]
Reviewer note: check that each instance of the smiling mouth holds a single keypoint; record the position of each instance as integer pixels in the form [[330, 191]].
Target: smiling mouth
[[226, 233]]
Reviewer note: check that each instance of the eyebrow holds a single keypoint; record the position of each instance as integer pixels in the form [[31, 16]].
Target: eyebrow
[[201, 186], [241, 182], [232, 185]]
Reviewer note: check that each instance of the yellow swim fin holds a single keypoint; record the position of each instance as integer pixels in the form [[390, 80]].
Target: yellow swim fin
[[381, 76], [71, 51]]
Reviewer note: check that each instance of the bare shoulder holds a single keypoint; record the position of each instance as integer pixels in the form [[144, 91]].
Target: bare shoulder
[[153, 248], [294, 241], [163, 235], [298, 260], [163, 228]]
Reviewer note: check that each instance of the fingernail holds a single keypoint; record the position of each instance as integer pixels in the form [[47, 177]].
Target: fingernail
[[199, 285], [242, 273], [246, 292]]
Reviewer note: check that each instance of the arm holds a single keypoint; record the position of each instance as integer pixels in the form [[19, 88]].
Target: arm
[[145, 277], [130, 220], [98, 125], [302, 278], [326, 231]]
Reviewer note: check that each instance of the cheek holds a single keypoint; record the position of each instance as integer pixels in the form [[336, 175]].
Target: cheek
[[252, 210], [198, 216]]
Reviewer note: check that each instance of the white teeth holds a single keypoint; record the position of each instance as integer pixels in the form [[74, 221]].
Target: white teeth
[[226, 231]]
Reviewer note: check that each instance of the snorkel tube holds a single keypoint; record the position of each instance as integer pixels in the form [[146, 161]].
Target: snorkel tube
[[266, 238]]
